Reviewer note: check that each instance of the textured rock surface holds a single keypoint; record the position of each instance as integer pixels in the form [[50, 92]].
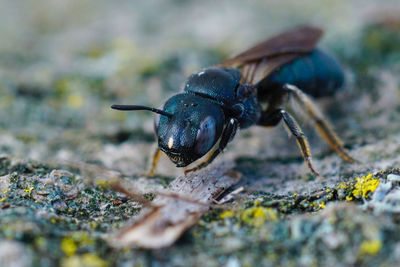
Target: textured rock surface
[[63, 65]]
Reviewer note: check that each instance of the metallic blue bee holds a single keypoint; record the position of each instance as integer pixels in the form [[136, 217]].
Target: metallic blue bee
[[249, 89]]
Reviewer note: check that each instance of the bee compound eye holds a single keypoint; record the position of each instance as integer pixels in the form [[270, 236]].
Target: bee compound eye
[[205, 136]]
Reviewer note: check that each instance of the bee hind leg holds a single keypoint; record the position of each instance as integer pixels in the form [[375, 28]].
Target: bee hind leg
[[323, 127]]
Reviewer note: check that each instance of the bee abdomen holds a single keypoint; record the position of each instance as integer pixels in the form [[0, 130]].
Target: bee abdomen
[[317, 74]]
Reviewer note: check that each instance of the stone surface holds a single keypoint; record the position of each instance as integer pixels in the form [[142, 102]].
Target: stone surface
[[63, 64]]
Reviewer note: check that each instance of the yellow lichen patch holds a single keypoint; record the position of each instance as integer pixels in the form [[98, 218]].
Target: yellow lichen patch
[[344, 185], [68, 246], [257, 216], [93, 260], [94, 224], [124, 47], [371, 247], [226, 214], [322, 205], [82, 238], [71, 262], [75, 101], [102, 184], [87, 260], [95, 52], [29, 190], [364, 185], [61, 87], [117, 116], [40, 243]]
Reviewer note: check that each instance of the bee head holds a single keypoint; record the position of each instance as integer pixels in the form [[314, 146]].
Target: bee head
[[192, 131], [187, 127]]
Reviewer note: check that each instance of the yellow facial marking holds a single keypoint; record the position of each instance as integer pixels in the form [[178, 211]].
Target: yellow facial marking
[[170, 142]]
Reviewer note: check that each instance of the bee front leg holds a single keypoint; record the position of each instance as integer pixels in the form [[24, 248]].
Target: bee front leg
[[227, 135], [154, 162]]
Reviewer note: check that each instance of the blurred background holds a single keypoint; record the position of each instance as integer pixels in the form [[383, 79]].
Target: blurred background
[[63, 63]]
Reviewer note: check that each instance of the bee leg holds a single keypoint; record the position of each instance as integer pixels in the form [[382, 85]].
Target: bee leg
[[301, 139], [322, 126], [227, 135], [154, 162], [273, 117]]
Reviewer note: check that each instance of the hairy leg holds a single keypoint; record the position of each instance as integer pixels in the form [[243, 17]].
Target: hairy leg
[[322, 126]]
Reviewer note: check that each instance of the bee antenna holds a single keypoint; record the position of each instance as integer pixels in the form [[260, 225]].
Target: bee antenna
[[137, 107]]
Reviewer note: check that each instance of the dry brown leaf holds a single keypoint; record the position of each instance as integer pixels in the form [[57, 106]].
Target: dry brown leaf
[[175, 210]]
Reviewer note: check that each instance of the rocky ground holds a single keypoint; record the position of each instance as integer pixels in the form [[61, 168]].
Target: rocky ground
[[62, 65]]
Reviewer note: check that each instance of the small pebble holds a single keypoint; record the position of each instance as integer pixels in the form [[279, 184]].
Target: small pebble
[[393, 178]]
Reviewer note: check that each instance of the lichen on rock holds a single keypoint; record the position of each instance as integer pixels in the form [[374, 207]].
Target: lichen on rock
[[61, 147]]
